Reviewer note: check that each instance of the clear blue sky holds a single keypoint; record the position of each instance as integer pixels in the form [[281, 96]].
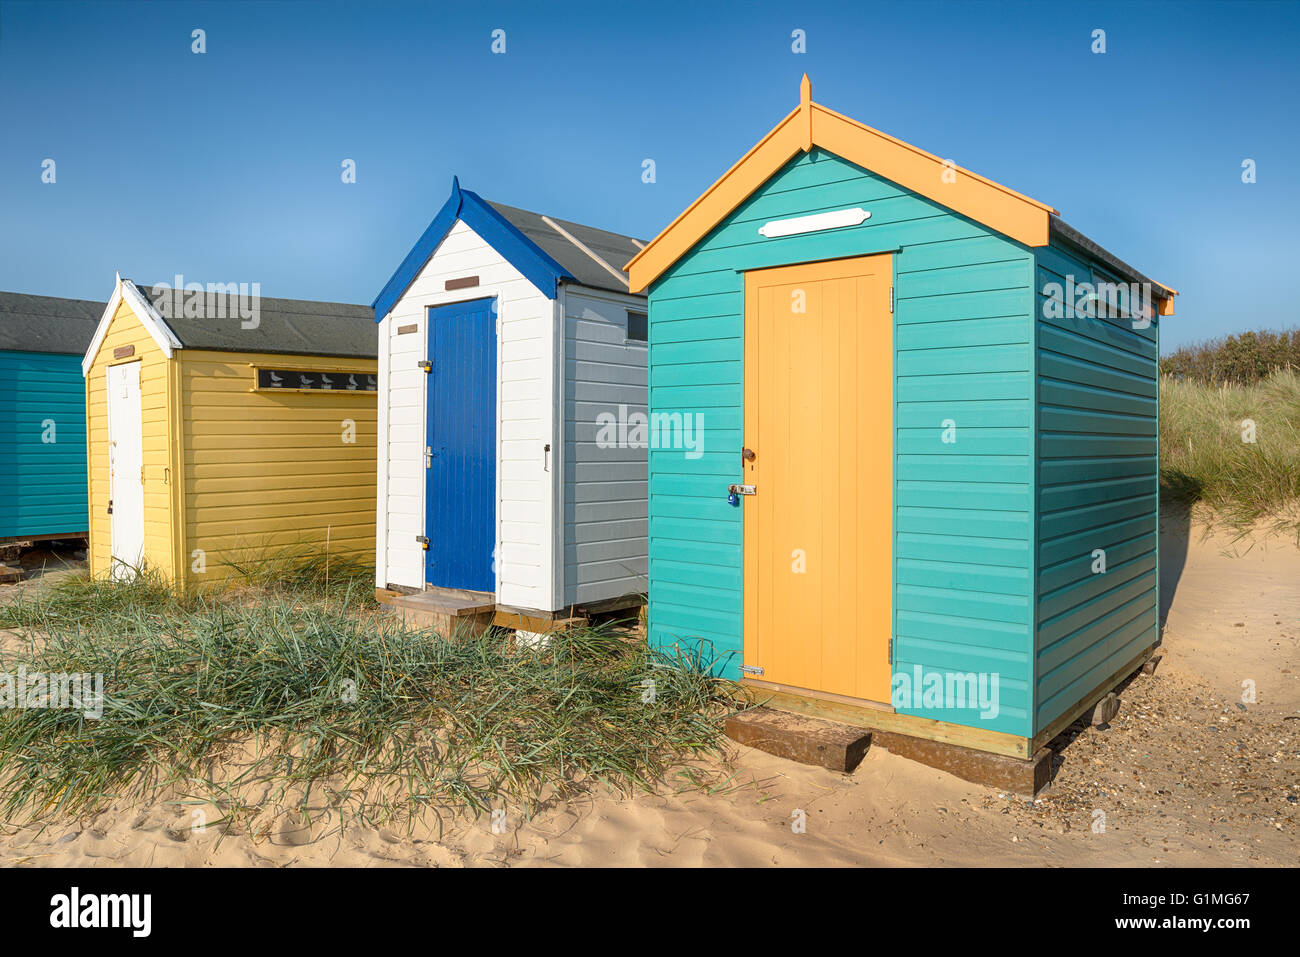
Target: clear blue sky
[[225, 166]]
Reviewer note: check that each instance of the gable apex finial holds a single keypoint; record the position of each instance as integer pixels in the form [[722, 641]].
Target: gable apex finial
[[805, 112]]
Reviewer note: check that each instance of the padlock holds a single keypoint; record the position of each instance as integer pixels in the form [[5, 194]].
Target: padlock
[[733, 499]]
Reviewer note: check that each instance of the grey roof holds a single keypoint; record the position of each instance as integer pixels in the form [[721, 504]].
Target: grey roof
[[288, 326], [1071, 235], [46, 324], [613, 248]]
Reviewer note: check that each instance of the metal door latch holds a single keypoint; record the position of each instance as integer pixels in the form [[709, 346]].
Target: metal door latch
[[426, 365], [423, 540], [751, 669], [735, 491]]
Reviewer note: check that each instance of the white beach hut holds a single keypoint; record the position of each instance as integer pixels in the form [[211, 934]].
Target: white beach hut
[[506, 338]]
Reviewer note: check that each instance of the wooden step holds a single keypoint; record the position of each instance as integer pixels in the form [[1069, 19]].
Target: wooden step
[[449, 613]]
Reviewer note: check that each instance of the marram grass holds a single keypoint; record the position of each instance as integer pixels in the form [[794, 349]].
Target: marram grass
[[1235, 448], [328, 700]]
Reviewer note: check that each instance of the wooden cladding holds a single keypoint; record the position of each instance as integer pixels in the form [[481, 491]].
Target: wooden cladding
[[464, 282]]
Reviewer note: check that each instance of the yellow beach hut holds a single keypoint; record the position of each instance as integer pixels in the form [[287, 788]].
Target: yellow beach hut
[[223, 426]]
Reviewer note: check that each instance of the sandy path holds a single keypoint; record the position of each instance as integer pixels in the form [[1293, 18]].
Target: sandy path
[[1186, 774]]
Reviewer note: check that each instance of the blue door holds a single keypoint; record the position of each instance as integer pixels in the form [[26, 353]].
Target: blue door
[[461, 478]]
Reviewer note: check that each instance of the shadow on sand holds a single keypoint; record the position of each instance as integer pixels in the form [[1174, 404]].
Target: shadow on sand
[[1175, 530]]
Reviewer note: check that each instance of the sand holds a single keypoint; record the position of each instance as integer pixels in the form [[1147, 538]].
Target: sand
[[1186, 774]]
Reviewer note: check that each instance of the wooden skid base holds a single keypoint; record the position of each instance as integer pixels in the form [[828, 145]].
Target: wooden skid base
[[9, 576], [83, 537], [827, 744], [880, 718], [1018, 775], [841, 747], [608, 605], [537, 622], [995, 759]]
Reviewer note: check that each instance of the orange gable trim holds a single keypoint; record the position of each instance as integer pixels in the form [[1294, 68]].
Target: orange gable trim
[[812, 124], [752, 170]]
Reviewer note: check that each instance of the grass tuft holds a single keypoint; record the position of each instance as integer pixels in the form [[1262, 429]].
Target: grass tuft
[[289, 701], [302, 568], [1205, 455]]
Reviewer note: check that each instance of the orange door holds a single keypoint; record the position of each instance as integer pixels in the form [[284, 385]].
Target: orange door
[[819, 349]]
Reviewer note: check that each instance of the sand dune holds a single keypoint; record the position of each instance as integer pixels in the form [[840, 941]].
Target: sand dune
[[1235, 614]]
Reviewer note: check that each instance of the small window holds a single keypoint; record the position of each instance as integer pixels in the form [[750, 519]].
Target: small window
[[636, 327]]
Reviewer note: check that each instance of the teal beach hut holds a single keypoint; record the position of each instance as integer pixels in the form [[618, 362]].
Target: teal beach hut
[[923, 495], [43, 422]]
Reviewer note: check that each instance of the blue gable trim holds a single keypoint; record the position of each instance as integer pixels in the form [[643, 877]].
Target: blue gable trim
[[516, 248], [419, 255]]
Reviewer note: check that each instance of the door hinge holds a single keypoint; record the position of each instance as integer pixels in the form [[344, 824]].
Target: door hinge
[[423, 540], [751, 669], [890, 651], [891, 299]]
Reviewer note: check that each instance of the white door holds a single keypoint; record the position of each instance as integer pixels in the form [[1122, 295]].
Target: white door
[[125, 470]]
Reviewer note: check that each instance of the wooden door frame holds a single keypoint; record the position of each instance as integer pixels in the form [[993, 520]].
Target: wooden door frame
[[109, 370], [492, 297], [881, 263]]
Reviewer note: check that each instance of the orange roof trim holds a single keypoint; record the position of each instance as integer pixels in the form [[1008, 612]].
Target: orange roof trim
[[811, 124]]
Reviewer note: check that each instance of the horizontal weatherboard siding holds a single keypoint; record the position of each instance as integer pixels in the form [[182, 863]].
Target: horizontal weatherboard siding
[[604, 490], [1097, 491], [963, 444], [43, 452], [264, 470]]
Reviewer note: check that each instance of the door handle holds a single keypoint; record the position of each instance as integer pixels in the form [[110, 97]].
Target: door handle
[[747, 455]]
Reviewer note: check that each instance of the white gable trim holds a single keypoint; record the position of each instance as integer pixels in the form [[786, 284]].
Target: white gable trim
[[126, 291]]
